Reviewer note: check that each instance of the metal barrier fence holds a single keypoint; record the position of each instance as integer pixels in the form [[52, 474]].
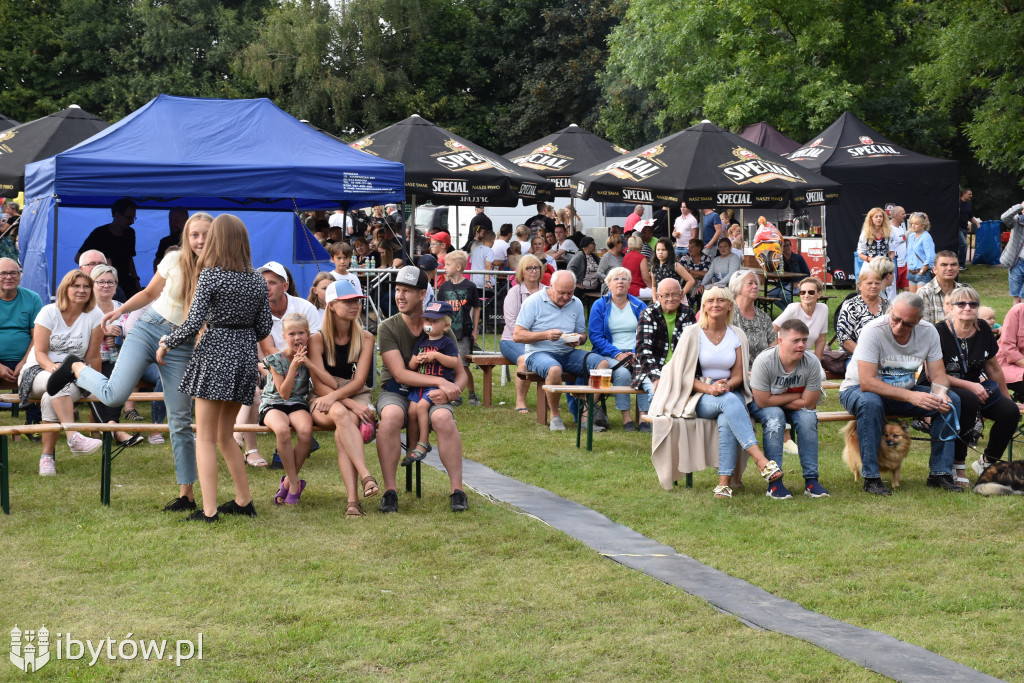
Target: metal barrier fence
[[378, 286]]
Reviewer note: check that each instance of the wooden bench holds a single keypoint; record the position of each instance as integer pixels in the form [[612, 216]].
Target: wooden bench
[[139, 396], [542, 401], [487, 362], [110, 451]]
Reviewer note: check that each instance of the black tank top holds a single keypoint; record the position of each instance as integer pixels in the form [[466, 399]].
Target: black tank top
[[342, 367]]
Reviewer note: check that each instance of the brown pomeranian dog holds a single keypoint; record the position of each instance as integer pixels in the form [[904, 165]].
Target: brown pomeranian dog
[[894, 449], [1001, 479]]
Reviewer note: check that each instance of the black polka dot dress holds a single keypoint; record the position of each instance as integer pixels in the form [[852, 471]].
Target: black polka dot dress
[[236, 311]]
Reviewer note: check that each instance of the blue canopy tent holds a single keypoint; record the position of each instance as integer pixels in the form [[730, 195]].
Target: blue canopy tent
[[246, 157]]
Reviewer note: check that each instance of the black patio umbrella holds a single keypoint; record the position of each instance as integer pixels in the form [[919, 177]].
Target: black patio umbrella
[[559, 155], [445, 168], [7, 122], [706, 167], [41, 139]]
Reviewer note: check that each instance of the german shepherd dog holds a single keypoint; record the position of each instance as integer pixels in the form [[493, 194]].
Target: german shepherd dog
[[1001, 479], [894, 448]]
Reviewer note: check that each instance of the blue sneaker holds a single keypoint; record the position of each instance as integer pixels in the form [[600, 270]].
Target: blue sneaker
[[276, 463], [778, 491], [314, 446], [815, 490]]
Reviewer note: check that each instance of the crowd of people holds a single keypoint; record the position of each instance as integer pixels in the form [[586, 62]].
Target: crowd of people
[[246, 347]]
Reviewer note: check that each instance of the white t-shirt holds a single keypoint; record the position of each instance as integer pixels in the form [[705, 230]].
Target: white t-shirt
[[524, 247], [296, 305], [65, 339], [898, 243], [817, 324], [569, 247], [348, 277], [897, 365], [478, 260], [169, 304], [337, 219], [500, 250], [716, 361], [684, 226]]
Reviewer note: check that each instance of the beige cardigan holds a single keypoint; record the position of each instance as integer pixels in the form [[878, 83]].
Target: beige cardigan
[[682, 442]]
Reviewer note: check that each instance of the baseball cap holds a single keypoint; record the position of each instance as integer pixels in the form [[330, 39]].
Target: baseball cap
[[437, 309], [341, 289], [427, 262], [442, 236], [411, 276], [275, 268]]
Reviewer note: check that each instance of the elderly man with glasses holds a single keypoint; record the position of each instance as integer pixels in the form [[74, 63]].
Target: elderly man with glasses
[[657, 332], [18, 310], [881, 380]]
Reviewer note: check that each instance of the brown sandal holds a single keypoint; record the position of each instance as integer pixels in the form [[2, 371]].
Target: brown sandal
[[354, 509], [370, 488]]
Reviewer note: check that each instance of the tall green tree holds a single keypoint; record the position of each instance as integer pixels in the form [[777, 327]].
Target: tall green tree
[[974, 73], [795, 63]]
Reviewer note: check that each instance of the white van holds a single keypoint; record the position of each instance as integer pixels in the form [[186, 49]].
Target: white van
[[596, 217]]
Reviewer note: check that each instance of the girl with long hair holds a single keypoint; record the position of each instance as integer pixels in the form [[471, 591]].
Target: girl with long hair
[[876, 237], [230, 301], [167, 295]]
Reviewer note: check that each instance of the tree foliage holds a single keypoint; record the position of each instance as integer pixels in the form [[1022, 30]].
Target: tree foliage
[[796, 63], [974, 72]]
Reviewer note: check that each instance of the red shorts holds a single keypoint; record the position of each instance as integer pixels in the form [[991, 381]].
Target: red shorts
[[901, 278]]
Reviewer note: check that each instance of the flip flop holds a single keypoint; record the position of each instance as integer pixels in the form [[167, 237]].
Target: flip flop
[[293, 499], [282, 491], [524, 411]]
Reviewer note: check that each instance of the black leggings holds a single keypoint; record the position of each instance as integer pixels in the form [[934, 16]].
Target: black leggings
[[1003, 413]]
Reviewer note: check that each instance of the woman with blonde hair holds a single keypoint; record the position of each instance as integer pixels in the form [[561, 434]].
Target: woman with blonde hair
[[876, 237], [167, 295], [231, 303], [316, 292], [344, 350], [920, 251], [528, 282], [858, 311], [68, 329], [712, 359]]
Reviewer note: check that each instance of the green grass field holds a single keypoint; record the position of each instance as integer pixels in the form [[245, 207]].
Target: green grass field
[[494, 594]]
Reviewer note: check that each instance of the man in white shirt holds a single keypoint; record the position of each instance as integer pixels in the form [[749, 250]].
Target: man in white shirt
[[898, 243], [564, 247], [500, 247], [282, 303]]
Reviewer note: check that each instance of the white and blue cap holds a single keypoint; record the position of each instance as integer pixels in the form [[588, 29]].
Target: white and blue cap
[[341, 289]]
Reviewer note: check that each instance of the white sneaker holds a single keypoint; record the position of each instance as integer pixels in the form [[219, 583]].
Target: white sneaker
[[790, 447], [83, 445], [556, 425], [47, 466], [156, 438]]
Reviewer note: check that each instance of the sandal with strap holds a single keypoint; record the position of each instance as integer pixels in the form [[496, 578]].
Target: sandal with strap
[[282, 491], [370, 488], [723, 491], [354, 509], [770, 470], [293, 498], [419, 452], [960, 474], [258, 461]]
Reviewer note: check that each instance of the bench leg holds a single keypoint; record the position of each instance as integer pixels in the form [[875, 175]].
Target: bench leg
[[105, 462], [408, 479], [590, 422], [419, 490], [542, 404], [5, 486], [488, 371]]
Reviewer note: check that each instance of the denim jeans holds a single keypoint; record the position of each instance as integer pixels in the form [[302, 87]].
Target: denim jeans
[[511, 350], [1016, 276], [622, 378], [773, 421], [576, 362], [870, 410], [138, 352], [733, 427]]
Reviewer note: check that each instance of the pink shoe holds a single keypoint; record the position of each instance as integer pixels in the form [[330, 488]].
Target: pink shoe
[[47, 467], [156, 438], [83, 445]]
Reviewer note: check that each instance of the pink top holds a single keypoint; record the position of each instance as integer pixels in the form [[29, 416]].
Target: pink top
[[513, 302], [1011, 344]]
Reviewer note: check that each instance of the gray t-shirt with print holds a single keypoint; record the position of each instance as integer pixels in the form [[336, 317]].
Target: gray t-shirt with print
[[767, 374], [897, 363]]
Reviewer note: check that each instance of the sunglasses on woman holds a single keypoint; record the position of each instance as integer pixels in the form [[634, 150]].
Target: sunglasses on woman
[[966, 304], [808, 292]]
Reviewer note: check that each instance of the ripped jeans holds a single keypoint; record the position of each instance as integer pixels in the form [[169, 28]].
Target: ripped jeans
[[773, 421], [733, 427]]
